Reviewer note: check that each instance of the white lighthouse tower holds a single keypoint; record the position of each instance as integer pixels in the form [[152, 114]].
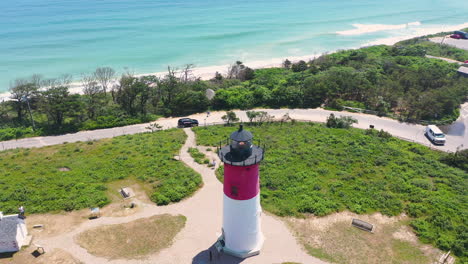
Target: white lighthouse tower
[[242, 235]]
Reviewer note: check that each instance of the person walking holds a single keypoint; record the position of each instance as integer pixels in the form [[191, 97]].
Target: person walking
[[21, 212]]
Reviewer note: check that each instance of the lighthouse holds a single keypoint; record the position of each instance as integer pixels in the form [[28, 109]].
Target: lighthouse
[[241, 232]]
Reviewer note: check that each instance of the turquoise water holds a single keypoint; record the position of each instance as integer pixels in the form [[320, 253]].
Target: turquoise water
[[53, 37]]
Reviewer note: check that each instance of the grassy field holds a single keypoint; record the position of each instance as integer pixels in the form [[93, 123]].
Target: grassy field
[[76, 175], [311, 169], [132, 240]]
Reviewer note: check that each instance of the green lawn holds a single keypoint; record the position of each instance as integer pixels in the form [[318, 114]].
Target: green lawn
[[309, 168], [74, 175]]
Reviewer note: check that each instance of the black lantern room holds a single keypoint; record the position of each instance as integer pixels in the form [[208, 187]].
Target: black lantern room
[[241, 151]]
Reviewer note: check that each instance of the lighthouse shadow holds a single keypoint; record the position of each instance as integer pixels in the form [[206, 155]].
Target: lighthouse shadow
[[204, 257]]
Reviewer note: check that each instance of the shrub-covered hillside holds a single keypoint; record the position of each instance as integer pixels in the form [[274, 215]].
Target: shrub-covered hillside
[[74, 175], [309, 168]]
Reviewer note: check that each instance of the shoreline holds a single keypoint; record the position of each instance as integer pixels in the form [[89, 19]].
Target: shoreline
[[208, 72]]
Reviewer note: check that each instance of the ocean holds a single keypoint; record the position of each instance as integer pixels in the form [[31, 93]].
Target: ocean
[[54, 37]]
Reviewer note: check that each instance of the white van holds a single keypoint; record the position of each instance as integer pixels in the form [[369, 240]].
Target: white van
[[435, 134]]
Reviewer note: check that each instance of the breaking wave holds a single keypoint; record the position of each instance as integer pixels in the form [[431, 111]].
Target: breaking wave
[[369, 28]]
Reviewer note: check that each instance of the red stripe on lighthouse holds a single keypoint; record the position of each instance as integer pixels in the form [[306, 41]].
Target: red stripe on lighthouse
[[241, 182]]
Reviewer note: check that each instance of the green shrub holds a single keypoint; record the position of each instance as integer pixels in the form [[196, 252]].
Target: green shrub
[[340, 122], [199, 157]]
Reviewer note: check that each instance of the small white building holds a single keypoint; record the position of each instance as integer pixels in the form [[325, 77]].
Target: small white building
[[13, 233]]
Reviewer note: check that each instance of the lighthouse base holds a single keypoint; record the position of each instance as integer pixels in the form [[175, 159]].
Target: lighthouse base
[[221, 247]]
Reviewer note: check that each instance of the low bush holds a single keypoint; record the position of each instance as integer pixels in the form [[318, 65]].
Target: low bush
[[340, 122], [16, 133], [199, 157]]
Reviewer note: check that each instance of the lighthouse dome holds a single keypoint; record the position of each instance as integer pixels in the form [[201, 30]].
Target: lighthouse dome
[[241, 135]]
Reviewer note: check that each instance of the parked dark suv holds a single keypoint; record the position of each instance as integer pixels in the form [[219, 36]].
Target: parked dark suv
[[187, 122]]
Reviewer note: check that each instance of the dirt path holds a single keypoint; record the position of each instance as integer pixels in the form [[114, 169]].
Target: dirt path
[[204, 219]]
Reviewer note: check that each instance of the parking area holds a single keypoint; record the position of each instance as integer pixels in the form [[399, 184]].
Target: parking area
[[459, 43]]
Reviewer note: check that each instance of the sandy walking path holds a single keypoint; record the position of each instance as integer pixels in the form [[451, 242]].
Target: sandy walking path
[[204, 219]]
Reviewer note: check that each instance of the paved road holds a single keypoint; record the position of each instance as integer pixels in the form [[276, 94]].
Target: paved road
[[456, 133]]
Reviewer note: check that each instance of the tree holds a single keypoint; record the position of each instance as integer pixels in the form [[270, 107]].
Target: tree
[[58, 104], [240, 71], [259, 116], [132, 95], [188, 102], [4, 109], [287, 64], [22, 92], [235, 69], [168, 88], [247, 74], [187, 73], [93, 94], [230, 117], [315, 92], [251, 115], [218, 78], [264, 117], [153, 127], [299, 66], [104, 75]]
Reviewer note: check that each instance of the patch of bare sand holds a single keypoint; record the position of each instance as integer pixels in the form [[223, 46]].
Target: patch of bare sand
[[55, 256], [332, 238], [405, 234], [55, 224], [132, 240]]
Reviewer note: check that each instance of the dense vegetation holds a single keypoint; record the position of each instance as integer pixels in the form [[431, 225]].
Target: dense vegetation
[[389, 80], [396, 81], [74, 175], [458, 159], [309, 168]]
